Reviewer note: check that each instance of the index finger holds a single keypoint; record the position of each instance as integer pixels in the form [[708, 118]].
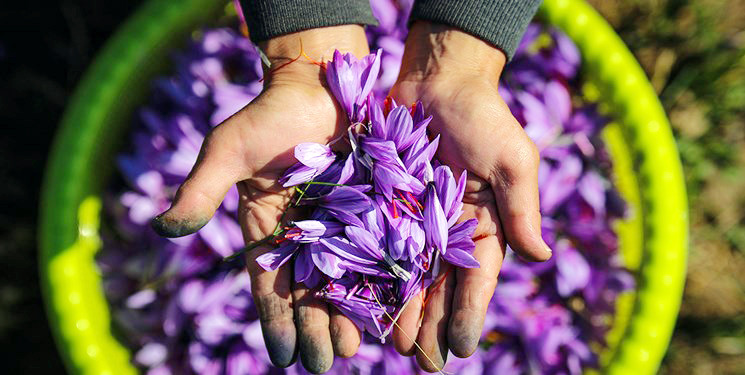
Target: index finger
[[271, 290], [273, 300], [475, 286]]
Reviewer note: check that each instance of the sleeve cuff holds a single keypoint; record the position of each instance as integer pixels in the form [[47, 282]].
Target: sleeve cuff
[[499, 22], [267, 19]]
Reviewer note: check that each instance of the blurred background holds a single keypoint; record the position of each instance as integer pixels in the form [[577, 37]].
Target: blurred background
[[692, 51]]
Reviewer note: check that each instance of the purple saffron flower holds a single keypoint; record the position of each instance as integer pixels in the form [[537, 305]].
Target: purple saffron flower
[[558, 181], [306, 231], [274, 259], [355, 300], [354, 258], [313, 159], [195, 318], [573, 270], [344, 203], [460, 245], [371, 247], [435, 222], [418, 158], [449, 193], [398, 128], [351, 81], [326, 261]]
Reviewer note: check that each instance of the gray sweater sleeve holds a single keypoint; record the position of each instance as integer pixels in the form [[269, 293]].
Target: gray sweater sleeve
[[270, 18], [499, 22]]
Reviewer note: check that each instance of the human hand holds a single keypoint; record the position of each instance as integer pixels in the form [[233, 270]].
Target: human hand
[[253, 149], [455, 75]]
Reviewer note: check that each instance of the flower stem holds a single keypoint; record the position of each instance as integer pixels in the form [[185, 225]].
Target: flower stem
[[249, 247], [323, 183]]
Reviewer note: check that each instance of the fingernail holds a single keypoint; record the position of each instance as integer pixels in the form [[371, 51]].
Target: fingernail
[[344, 346], [548, 251], [464, 338], [167, 226], [435, 362], [315, 356], [280, 344]]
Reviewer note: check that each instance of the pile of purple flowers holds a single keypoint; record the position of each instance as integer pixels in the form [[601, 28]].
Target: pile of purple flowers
[[384, 216], [183, 309]]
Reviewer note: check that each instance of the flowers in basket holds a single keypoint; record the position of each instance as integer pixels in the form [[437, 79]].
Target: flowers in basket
[[381, 218]]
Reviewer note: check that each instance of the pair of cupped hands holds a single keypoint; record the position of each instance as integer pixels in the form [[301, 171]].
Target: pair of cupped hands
[[455, 75]]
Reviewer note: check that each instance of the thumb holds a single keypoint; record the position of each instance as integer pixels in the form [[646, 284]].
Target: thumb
[[515, 188], [219, 166]]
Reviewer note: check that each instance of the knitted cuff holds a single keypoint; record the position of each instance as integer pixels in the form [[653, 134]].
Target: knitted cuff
[[269, 18], [499, 22]]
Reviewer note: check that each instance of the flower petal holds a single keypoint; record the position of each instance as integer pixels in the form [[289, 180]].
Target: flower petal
[[461, 234], [303, 266], [365, 241], [274, 259], [378, 128], [312, 230], [573, 270], [346, 199], [460, 258], [298, 174], [314, 155], [326, 261], [380, 150], [345, 249], [369, 75], [445, 184], [397, 238], [399, 125], [435, 223]]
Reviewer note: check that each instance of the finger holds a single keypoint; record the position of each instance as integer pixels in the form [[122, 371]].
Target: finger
[[273, 300], [407, 327], [345, 336], [475, 286], [312, 323], [218, 167], [515, 185], [432, 336], [258, 214]]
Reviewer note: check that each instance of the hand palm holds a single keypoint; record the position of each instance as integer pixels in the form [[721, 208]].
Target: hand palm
[[478, 134], [253, 149]]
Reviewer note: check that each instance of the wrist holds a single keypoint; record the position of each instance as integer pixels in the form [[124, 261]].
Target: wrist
[[436, 51], [317, 44]]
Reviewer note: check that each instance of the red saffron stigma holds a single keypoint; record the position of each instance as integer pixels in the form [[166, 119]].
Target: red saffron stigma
[[406, 202], [387, 104], [301, 54], [481, 237], [413, 199], [314, 62]]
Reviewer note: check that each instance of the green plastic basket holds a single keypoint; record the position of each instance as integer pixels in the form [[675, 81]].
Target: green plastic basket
[[647, 171]]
